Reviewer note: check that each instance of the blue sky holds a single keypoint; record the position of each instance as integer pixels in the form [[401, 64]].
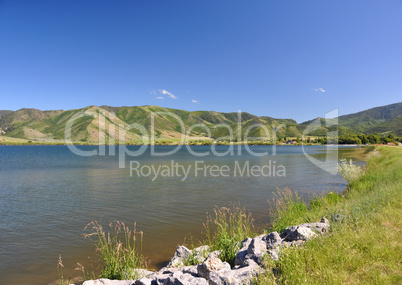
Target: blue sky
[[284, 59]]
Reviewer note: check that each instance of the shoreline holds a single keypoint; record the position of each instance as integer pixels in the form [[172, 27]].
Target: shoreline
[[174, 144], [342, 212]]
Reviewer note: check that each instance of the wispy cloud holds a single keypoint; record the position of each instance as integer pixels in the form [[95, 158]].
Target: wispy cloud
[[194, 101], [319, 90], [165, 92]]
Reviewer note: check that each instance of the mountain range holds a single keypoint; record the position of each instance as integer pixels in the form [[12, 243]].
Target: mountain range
[[95, 124]]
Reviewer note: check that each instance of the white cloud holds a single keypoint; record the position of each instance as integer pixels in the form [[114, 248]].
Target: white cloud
[[152, 92], [160, 97], [194, 101], [165, 92], [319, 90]]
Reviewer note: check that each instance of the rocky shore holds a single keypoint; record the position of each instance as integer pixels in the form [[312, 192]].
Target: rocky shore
[[209, 269]]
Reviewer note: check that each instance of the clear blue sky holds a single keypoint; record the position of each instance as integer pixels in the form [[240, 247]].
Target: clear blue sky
[[273, 58]]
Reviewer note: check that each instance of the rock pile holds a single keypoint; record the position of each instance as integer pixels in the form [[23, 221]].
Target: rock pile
[[211, 270]]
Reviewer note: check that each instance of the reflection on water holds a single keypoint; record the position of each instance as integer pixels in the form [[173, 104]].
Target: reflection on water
[[48, 195]]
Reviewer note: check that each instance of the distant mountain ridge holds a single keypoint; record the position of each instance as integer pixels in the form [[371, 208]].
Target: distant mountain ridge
[[4, 112], [107, 124], [381, 120]]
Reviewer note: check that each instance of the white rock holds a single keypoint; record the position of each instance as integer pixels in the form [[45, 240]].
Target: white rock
[[297, 233], [104, 281], [179, 256]]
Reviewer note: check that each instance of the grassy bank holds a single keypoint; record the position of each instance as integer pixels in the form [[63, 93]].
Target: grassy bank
[[365, 242]]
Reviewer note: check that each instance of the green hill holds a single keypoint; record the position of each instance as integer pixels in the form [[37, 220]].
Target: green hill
[[4, 112], [107, 124], [382, 120]]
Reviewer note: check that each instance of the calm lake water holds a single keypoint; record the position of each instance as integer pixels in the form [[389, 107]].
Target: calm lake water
[[48, 194]]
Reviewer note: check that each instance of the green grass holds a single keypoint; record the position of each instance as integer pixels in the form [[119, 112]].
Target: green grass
[[120, 250], [288, 209], [363, 248], [226, 228]]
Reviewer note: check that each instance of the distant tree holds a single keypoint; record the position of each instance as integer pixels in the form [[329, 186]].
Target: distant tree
[[374, 138], [385, 140], [363, 139]]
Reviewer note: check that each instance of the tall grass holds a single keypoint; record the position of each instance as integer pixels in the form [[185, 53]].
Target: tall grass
[[366, 247], [286, 206], [226, 228], [87, 274], [120, 249], [289, 209], [60, 267]]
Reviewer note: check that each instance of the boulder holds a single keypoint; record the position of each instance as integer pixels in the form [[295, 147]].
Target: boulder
[[319, 228], [173, 275], [241, 254], [273, 240], [242, 275], [179, 256], [180, 278], [213, 269], [256, 249], [200, 253], [192, 269], [214, 254], [145, 281], [201, 249], [324, 220], [274, 254], [104, 281], [165, 270], [161, 279], [294, 233], [219, 273]]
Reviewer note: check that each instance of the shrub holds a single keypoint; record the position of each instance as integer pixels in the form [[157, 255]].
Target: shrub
[[349, 171]]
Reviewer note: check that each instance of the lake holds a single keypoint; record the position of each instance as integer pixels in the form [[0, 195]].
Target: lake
[[48, 194]]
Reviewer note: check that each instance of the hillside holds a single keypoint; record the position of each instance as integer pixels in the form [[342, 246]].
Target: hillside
[[4, 112], [111, 124], [107, 124], [381, 120]]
